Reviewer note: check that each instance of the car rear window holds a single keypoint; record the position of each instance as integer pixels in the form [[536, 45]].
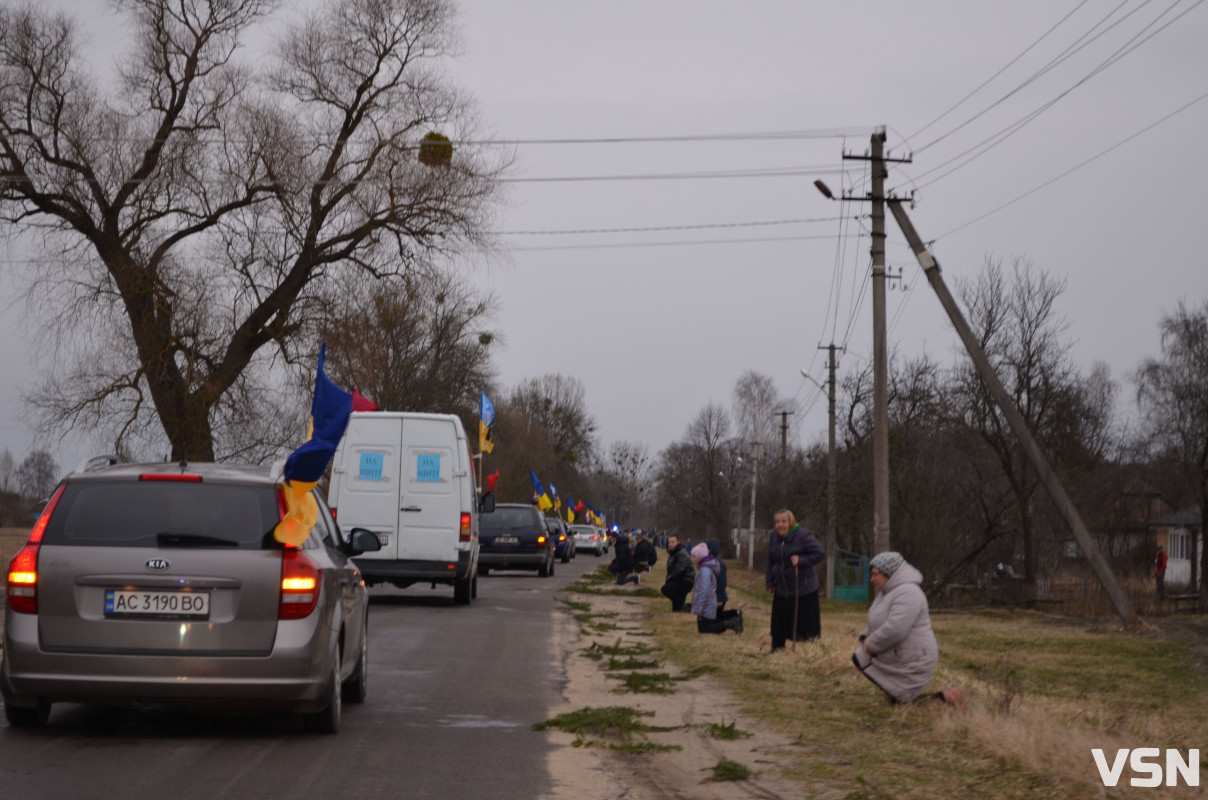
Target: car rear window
[[505, 519], [164, 513], [582, 529]]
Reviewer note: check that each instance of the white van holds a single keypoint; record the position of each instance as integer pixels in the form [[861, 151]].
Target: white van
[[409, 478]]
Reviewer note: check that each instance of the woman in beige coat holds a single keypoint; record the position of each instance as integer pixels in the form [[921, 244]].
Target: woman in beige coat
[[898, 651]]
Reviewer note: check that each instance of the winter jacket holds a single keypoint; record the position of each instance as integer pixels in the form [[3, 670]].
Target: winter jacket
[[715, 551], [904, 651], [704, 591], [780, 574], [623, 560], [679, 568], [644, 553]]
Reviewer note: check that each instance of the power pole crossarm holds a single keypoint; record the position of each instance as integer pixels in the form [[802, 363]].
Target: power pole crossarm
[[1041, 464]]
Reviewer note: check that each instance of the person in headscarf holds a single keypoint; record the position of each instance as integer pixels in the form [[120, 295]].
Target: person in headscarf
[[898, 651], [792, 581], [704, 594]]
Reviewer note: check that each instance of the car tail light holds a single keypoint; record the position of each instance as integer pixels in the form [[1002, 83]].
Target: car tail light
[[464, 534], [22, 584], [540, 540], [299, 585]]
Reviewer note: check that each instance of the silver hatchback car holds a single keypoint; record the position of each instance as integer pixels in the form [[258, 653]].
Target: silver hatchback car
[[163, 583]]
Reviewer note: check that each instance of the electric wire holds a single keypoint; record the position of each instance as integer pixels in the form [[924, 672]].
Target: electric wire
[[773, 172], [647, 229]]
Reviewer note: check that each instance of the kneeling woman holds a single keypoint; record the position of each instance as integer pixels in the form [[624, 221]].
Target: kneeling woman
[[704, 595], [898, 651]]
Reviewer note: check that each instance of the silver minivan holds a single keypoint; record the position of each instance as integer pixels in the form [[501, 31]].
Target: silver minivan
[[163, 583]]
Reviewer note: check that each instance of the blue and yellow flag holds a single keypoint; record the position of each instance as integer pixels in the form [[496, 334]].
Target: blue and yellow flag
[[543, 501], [486, 418], [329, 411]]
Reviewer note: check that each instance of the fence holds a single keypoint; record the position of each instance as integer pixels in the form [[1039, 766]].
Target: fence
[[851, 576]]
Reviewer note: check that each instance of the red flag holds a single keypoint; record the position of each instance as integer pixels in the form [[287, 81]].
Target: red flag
[[579, 506], [360, 403], [491, 480]]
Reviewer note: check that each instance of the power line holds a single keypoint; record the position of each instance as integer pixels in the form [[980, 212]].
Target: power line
[[774, 172], [817, 133], [684, 243], [671, 227], [1076, 167]]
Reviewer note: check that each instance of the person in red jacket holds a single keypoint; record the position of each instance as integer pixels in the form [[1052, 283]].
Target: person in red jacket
[[1159, 572]]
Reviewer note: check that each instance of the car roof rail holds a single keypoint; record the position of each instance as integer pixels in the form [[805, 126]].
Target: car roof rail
[[98, 462]]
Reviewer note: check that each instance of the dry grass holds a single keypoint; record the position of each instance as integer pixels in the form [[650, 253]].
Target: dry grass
[[1043, 692]]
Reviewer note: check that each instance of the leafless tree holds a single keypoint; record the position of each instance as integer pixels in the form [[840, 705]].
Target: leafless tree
[[691, 485], [756, 408], [37, 475], [189, 217], [1172, 392], [558, 403], [418, 343], [8, 472], [624, 479]]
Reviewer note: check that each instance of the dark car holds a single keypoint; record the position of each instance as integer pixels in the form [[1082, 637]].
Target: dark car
[[514, 536], [564, 543], [163, 583]]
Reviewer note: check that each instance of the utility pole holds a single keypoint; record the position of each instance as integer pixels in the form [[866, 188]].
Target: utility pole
[[1057, 491], [784, 434], [880, 358], [831, 537], [754, 482]]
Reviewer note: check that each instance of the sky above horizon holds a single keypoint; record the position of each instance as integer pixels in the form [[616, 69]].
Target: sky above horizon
[[662, 233]]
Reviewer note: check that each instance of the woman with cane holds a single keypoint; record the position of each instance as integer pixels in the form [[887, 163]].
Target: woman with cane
[[792, 581]]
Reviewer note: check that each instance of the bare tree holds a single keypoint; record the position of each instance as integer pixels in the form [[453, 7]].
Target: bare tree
[[625, 477], [37, 475], [558, 403], [8, 472], [190, 216], [419, 343], [756, 406], [691, 475], [1172, 395]]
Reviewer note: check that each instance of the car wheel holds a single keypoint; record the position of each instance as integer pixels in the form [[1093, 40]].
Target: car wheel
[[552, 561], [356, 688], [327, 720], [474, 588], [20, 717], [463, 591], [544, 570], [566, 556]]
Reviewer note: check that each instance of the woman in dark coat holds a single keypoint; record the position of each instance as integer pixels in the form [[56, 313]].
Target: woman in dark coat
[[623, 561], [792, 580]]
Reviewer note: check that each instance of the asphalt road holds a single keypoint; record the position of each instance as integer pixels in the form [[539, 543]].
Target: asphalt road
[[453, 692]]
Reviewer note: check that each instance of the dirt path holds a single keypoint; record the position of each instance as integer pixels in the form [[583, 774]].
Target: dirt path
[[597, 773]]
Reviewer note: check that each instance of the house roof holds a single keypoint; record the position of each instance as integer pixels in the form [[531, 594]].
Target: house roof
[[1183, 518]]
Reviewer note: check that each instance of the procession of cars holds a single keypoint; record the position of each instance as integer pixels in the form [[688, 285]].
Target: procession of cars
[[164, 583]]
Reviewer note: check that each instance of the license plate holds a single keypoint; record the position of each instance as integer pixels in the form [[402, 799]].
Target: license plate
[[506, 540], [129, 603]]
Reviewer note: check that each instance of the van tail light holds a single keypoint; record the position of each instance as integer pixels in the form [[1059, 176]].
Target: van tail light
[[22, 584], [333, 514], [464, 533], [299, 585]]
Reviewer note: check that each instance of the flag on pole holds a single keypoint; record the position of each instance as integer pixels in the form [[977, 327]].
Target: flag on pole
[[543, 501], [362, 403], [486, 418], [494, 476], [329, 410], [557, 500]]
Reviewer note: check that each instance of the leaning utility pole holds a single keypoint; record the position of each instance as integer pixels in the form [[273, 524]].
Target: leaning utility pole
[[784, 434], [1041, 464], [880, 357]]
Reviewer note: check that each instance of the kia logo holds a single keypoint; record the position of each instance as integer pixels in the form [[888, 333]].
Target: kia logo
[[158, 563]]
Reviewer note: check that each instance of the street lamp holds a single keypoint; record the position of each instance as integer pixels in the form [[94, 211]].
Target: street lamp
[[830, 476]]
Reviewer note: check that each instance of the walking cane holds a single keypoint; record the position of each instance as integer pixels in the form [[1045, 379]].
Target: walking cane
[[796, 605]]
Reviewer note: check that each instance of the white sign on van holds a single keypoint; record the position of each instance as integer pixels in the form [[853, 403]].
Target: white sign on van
[[371, 466], [427, 468]]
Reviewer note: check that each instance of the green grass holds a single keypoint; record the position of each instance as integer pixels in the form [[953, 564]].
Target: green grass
[[632, 663], [729, 771], [597, 651], [646, 683], [725, 732], [619, 724]]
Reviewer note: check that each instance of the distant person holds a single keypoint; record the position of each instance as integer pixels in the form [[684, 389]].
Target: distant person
[[680, 574], [622, 562], [1159, 572], [704, 594], [792, 581], [723, 596], [644, 554], [898, 651]]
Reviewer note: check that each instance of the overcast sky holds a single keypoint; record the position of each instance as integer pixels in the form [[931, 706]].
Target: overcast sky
[[1096, 177]]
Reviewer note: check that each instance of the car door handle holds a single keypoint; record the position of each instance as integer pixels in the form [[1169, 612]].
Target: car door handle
[[410, 508]]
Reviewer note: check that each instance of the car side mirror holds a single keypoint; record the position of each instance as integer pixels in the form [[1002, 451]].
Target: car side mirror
[[487, 504], [362, 540]]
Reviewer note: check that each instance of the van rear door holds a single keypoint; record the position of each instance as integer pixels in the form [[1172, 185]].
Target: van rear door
[[370, 479], [430, 511]]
